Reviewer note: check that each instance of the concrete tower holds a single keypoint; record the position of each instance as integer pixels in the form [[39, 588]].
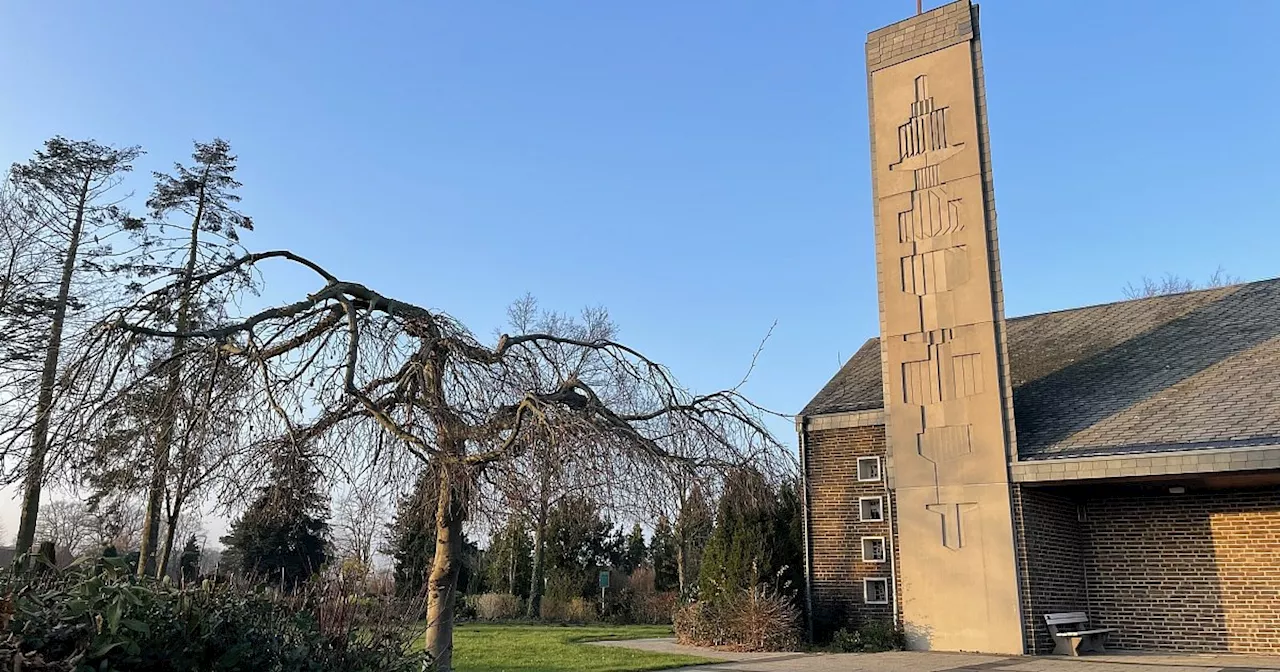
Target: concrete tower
[[949, 418]]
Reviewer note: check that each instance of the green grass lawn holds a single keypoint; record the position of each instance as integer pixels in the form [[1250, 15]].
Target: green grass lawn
[[551, 648]]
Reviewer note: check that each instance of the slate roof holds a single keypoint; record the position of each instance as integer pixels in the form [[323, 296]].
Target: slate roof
[[1178, 372]]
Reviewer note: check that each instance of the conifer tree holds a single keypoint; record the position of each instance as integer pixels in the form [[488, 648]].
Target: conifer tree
[[411, 535], [662, 553], [64, 190], [282, 536]]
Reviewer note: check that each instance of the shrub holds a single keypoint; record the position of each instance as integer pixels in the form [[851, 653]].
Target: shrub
[[497, 606], [653, 608], [96, 615], [759, 619], [870, 637], [575, 610]]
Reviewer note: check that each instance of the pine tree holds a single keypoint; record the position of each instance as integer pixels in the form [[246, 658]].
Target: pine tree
[[64, 188], [207, 237], [282, 535], [411, 535], [635, 553], [740, 552], [662, 553], [580, 543], [189, 561], [693, 530]]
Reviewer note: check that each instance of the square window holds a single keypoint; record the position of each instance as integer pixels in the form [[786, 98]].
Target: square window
[[875, 591], [870, 509], [868, 468], [873, 549]]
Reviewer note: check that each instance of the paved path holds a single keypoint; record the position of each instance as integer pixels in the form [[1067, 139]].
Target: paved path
[[921, 661]]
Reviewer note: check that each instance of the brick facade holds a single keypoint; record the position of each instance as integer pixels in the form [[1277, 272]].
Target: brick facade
[[837, 569], [1050, 561], [1196, 572]]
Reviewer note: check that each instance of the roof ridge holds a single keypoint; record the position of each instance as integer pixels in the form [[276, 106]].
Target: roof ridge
[[1158, 297]]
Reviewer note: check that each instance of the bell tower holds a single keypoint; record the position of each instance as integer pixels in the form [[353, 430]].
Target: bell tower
[[948, 401]]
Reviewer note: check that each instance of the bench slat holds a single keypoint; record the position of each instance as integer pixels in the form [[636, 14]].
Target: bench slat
[[1081, 633], [1068, 617]]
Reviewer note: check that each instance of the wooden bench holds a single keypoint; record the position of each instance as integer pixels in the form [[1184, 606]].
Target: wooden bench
[[1072, 634]]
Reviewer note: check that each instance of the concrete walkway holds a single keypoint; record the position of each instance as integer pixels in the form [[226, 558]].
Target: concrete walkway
[[922, 661]]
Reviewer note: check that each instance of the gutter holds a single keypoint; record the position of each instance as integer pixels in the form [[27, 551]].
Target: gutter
[[802, 426]]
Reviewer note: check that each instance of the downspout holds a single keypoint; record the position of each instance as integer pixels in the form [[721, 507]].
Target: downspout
[[893, 541], [802, 425]]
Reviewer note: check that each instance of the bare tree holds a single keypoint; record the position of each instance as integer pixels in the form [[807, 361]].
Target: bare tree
[[535, 481], [63, 188], [68, 525], [1175, 284], [359, 515], [348, 355]]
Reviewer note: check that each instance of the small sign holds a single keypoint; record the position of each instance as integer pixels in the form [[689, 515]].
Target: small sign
[[604, 579]]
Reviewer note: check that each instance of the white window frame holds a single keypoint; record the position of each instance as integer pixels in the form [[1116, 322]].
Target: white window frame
[[866, 592], [862, 517], [883, 546], [879, 473]]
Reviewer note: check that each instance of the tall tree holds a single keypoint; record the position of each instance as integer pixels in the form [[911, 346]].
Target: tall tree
[[282, 535], [189, 562], [508, 557], [66, 187], [547, 471], [694, 525], [743, 551], [357, 357], [635, 552], [411, 535], [580, 543], [662, 553], [208, 239]]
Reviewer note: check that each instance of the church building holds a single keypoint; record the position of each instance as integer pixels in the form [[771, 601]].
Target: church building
[[966, 474]]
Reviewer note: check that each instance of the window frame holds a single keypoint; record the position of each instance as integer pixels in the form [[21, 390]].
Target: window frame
[[884, 547], [862, 512], [866, 594], [879, 469]]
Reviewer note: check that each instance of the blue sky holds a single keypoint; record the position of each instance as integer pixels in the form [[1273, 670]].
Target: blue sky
[[698, 168]]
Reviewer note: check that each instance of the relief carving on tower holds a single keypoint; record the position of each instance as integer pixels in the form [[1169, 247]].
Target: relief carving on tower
[[936, 263], [944, 369]]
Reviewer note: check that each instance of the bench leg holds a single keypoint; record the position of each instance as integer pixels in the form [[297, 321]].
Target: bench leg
[[1095, 643], [1067, 646]]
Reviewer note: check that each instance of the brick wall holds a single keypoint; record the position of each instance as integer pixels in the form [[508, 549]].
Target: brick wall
[[1191, 572], [1196, 572], [1050, 554], [836, 565]]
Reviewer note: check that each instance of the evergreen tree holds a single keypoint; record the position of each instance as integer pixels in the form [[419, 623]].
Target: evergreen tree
[[207, 237], [282, 535], [662, 553], [740, 552], [693, 530], [189, 561], [510, 557], [580, 543], [411, 538], [64, 189], [788, 537], [635, 553]]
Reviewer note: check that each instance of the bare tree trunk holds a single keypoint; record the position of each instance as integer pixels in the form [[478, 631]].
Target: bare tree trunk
[[44, 403], [442, 585], [166, 550], [539, 553], [160, 455], [682, 562]]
